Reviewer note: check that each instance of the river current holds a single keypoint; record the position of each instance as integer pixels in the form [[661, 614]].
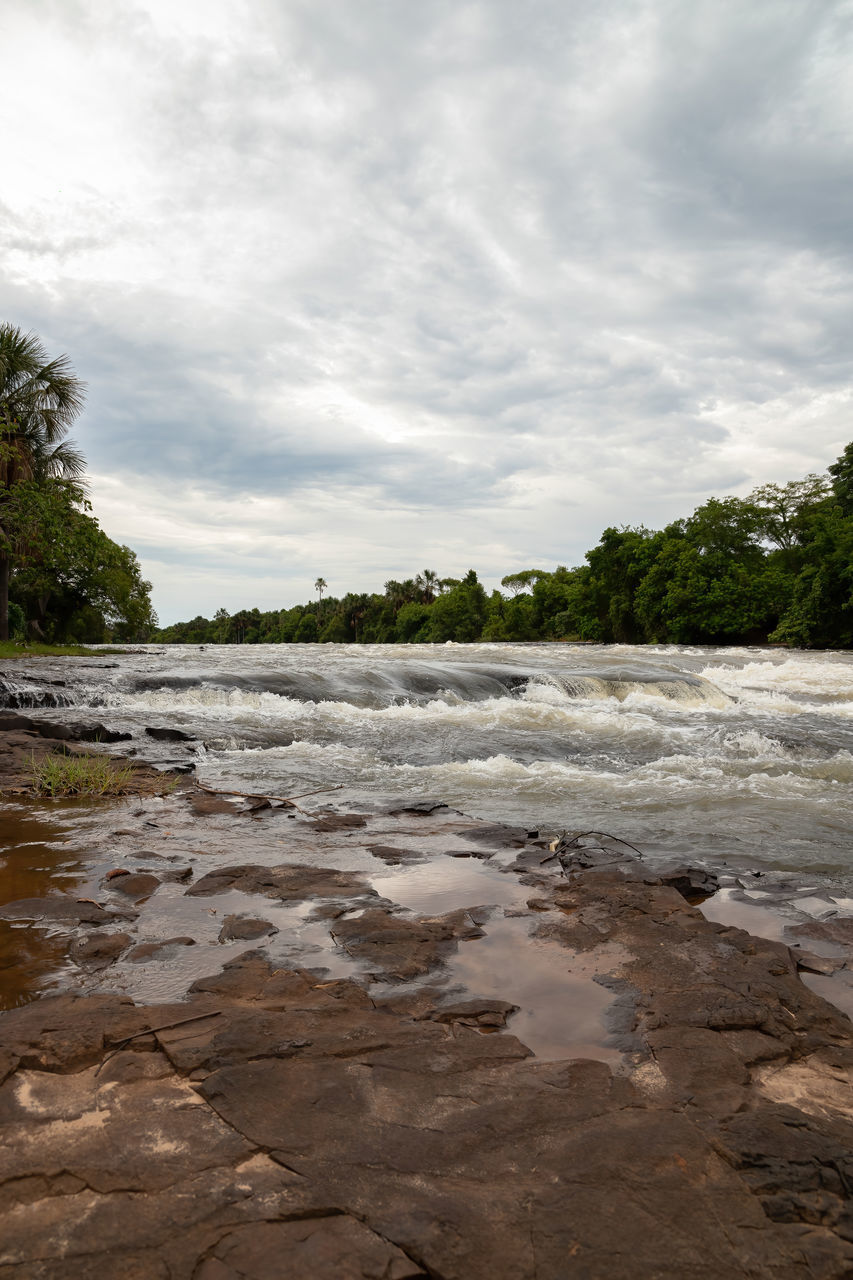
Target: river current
[[737, 756]]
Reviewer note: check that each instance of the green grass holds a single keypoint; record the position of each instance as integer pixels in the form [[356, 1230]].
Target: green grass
[[83, 775], [12, 649]]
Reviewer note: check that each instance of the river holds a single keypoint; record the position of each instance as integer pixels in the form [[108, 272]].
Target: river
[[735, 756]]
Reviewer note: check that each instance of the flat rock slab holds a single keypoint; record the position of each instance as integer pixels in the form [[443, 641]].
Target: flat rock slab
[[65, 909], [293, 1129], [290, 883], [279, 1124]]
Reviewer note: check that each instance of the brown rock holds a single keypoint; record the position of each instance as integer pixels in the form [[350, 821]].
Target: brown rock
[[322, 1248], [137, 885], [100, 951], [161, 950], [245, 928], [290, 883], [397, 948]]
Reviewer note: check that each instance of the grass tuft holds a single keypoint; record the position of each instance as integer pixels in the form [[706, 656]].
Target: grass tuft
[[83, 775]]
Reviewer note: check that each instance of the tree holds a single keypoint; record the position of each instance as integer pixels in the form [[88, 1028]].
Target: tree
[[320, 586], [428, 585], [842, 480], [523, 581], [39, 399], [74, 582], [784, 509]]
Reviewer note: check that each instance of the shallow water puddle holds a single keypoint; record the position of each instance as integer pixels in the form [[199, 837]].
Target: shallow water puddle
[[562, 1011], [448, 884], [724, 908]]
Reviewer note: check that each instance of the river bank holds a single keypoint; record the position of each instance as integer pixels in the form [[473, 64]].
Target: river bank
[[282, 1044]]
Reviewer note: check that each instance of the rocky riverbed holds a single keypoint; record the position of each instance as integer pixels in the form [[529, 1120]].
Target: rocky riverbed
[[273, 1041]]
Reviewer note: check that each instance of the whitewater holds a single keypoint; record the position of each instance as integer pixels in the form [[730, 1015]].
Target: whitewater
[[734, 756]]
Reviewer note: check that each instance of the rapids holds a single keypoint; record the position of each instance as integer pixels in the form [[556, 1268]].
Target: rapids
[[736, 756]]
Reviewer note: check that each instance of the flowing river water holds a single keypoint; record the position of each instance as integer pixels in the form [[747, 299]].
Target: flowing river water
[[735, 756], [741, 759]]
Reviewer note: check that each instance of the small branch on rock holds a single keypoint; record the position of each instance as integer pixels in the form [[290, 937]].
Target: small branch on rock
[[150, 1031]]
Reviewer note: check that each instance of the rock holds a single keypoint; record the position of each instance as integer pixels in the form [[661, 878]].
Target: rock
[[496, 834], [65, 909], [394, 857], [160, 950], [163, 734], [245, 928], [339, 822], [333, 1246], [203, 804], [61, 732], [813, 963], [137, 885], [397, 948], [693, 883], [289, 883], [475, 1013], [100, 951]]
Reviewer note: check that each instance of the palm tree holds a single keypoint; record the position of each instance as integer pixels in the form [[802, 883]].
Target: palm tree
[[39, 399], [320, 586], [428, 585]]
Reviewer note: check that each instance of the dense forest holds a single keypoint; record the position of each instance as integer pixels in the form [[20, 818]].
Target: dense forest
[[776, 566], [61, 578]]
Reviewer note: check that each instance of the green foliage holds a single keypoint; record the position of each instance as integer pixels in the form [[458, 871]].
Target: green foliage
[[57, 566], [777, 566]]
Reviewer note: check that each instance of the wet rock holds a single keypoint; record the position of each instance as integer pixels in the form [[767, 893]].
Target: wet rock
[[482, 854], [100, 951], [813, 963], [421, 809], [497, 835], [163, 734], [137, 885], [289, 883], [245, 928], [66, 732], [203, 804], [693, 883], [394, 857], [160, 950], [839, 931], [176, 875], [397, 948], [475, 1013], [64, 909], [339, 822]]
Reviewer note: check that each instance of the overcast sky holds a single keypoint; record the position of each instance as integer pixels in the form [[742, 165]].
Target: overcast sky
[[362, 287]]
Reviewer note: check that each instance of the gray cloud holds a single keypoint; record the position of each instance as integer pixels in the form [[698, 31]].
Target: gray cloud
[[484, 263]]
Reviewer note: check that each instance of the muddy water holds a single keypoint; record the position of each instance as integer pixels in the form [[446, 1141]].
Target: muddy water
[[36, 860]]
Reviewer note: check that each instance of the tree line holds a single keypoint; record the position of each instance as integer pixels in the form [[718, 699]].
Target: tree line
[[62, 579], [774, 567]]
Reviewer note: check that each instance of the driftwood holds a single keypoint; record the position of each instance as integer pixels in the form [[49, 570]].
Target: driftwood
[[582, 835], [255, 795]]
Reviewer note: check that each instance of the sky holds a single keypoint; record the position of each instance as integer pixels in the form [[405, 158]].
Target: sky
[[363, 287]]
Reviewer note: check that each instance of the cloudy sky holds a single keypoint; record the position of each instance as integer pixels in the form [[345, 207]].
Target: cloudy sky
[[361, 287]]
